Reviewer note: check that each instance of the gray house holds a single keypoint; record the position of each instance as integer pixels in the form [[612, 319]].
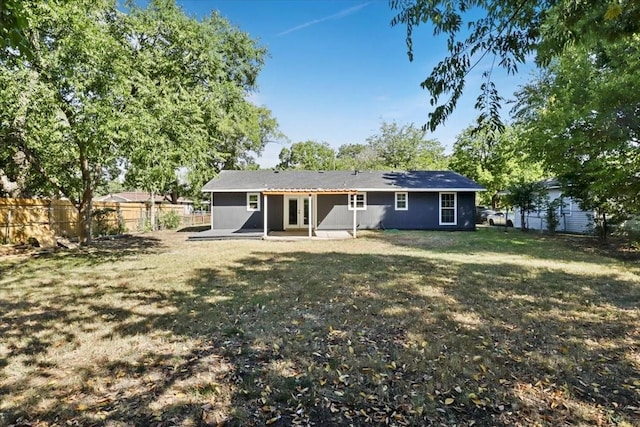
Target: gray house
[[341, 200]]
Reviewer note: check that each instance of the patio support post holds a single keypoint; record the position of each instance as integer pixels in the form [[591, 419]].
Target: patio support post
[[309, 215], [264, 207], [355, 204], [211, 211]]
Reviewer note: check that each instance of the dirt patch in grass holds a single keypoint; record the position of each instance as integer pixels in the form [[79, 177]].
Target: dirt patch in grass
[[395, 328], [13, 250]]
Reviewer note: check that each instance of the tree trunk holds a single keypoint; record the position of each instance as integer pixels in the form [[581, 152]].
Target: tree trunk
[[604, 227], [85, 206], [522, 224], [174, 197], [494, 201], [84, 216], [153, 211]]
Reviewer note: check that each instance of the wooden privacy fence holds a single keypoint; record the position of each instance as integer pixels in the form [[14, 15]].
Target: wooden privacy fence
[[44, 219]]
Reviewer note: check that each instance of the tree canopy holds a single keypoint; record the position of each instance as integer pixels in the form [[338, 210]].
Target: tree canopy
[[528, 197], [395, 147], [13, 26], [309, 155], [506, 32], [151, 89], [581, 117], [406, 147], [358, 157], [496, 160]]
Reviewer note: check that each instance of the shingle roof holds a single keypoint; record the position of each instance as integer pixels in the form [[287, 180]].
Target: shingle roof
[[298, 180], [550, 183], [137, 197]]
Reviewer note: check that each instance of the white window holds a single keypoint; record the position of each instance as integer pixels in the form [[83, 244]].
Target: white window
[[253, 201], [402, 201], [359, 201], [448, 209]]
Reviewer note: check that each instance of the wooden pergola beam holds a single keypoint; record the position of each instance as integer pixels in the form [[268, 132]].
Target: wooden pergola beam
[[306, 193]]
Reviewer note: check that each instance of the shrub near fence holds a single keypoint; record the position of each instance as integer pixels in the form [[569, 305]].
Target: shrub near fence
[[44, 219]]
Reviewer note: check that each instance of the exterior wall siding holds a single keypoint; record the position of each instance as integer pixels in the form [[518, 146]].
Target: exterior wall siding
[[275, 213], [574, 221], [423, 212], [578, 222], [466, 211], [230, 212], [333, 212]]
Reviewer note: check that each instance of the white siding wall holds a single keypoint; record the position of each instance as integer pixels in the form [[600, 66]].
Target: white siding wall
[[574, 219]]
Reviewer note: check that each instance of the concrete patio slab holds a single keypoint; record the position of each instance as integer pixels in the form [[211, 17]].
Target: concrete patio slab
[[273, 235], [227, 234]]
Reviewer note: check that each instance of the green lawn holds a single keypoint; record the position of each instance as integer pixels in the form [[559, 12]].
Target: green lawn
[[397, 328]]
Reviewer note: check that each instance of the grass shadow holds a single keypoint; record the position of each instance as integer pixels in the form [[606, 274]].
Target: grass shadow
[[286, 334]]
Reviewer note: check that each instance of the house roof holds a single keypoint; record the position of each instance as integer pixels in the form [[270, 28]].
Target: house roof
[[550, 183], [136, 197], [339, 181]]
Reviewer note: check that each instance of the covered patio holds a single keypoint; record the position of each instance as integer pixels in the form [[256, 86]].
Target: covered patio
[[296, 213]]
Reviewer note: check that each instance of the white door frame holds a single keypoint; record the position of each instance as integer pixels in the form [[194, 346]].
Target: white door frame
[[301, 199]]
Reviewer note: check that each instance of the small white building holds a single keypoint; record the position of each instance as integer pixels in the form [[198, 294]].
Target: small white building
[[572, 218]]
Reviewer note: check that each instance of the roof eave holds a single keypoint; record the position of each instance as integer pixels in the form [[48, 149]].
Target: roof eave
[[345, 190]]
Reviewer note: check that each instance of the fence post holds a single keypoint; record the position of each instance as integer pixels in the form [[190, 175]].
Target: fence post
[[121, 224], [9, 226], [51, 218]]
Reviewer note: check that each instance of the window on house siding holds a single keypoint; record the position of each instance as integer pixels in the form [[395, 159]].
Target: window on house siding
[[402, 201], [253, 201], [448, 209], [359, 201]]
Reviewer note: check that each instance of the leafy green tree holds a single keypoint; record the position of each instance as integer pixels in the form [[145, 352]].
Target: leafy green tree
[[358, 157], [506, 32], [249, 130], [581, 118], [152, 88], [552, 214], [112, 186], [528, 197], [309, 155], [189, 87], [407, 148], [14, 25], [493, 159], [394, 147], [62, 109]]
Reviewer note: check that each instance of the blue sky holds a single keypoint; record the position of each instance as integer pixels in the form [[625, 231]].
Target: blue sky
[[337, 69]]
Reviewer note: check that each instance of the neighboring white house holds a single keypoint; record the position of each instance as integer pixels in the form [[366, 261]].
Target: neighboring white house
[[572, 218]]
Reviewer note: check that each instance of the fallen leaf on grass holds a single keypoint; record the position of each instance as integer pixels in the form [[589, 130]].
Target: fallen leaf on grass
[[272, 420]]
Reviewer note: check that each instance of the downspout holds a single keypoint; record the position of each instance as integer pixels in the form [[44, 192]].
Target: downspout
[[265, 218], [355, 211], [309, 210], [211, 211]]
